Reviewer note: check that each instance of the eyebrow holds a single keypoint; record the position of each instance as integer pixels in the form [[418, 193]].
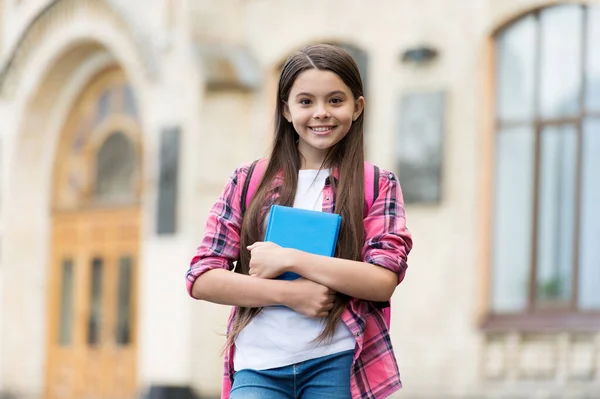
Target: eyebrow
[[336, 92]]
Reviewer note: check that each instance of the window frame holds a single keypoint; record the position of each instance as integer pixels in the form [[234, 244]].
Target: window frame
[[533, 318]]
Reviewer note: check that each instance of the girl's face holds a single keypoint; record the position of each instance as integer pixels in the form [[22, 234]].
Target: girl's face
[[322, 108]]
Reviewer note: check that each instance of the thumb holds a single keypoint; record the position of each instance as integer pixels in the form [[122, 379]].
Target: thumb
[[255, 245]]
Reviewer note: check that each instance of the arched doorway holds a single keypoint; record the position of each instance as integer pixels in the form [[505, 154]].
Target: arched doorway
[[95, 223]]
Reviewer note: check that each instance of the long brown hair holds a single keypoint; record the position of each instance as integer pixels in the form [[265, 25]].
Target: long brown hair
[[347, 156]]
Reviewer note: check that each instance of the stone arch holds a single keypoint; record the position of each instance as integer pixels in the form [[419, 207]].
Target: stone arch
[[51, 67], [55, 14]]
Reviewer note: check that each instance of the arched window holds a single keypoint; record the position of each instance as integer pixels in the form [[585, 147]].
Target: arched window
[[115, 168], [546, 212]]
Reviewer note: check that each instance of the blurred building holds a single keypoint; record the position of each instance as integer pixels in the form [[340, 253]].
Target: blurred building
[[121, 120]]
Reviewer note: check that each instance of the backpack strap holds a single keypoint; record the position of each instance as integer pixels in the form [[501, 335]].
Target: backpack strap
[[375, 182], [253, 178], [371, 185], [257, 169]]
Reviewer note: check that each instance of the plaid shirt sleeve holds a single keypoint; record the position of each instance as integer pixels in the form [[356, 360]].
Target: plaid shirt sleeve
[[388, 242], [220, 244]]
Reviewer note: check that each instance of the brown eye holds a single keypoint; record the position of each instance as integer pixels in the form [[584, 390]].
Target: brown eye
[[305, 101]]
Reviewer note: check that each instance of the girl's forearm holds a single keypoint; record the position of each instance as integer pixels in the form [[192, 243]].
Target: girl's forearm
[[228, 288], [356, 279]]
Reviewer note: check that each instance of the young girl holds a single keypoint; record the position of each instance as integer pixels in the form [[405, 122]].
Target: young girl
[[329, 339]]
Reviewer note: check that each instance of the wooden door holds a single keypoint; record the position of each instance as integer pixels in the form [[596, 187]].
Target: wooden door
[[95, 240], [92, 337]]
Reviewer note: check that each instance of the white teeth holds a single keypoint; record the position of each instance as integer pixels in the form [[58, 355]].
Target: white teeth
[[320, 129]]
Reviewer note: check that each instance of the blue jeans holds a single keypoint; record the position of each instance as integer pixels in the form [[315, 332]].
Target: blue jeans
[[325, 377]]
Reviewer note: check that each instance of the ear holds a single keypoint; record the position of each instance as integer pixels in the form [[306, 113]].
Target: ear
[[359, 106], [286, 112]]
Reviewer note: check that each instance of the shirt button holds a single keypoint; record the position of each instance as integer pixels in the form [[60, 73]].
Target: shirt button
[[358, 334], [327, 198]]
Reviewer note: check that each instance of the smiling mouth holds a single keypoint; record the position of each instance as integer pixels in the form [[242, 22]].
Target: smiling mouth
[[321, 129]]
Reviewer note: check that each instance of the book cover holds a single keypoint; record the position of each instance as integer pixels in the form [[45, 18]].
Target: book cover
[[309, 231]]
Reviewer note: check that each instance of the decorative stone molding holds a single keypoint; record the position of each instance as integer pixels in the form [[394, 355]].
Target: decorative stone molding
[[59, 12], [538, 357], [582, 359], [563, 358]]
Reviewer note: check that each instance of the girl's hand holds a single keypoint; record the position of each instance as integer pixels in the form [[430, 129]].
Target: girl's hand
[[309, 298], [268, 260]]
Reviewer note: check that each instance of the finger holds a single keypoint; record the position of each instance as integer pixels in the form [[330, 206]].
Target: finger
[[255, 245], [323, 314]]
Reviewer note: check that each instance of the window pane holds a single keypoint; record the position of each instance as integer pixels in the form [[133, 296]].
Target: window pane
[[561, 50], [95, 317], [115, 168], [593, 59], [130, 104], [65, 335], [589, 255], [513, 219], [558, 167], [124, 302], [516, 74]]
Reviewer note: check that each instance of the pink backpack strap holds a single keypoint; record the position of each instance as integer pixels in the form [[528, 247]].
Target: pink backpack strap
[[253, 178], [257, 169], [371, 185]]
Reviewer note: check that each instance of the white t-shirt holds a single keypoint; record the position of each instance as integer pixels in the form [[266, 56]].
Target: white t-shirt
[[279, 336]]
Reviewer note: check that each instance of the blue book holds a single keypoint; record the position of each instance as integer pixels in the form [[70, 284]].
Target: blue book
[[309, 231]]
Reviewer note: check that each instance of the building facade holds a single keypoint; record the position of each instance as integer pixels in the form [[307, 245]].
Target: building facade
[[121, 121]]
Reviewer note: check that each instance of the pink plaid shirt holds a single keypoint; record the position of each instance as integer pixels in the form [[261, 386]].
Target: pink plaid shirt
[[374, 372]]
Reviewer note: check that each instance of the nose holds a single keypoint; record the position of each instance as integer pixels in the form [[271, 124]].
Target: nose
[[321, 112]]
